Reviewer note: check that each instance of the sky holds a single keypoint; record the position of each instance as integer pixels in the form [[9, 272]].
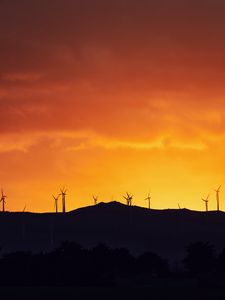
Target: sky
[[105, 97]]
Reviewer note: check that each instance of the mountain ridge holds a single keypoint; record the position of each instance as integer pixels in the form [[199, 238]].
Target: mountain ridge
[[166, 232]]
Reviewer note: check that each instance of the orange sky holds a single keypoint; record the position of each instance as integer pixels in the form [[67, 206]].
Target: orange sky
[[106, 97]]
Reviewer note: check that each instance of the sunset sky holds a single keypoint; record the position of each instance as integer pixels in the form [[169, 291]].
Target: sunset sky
[[111, 96]]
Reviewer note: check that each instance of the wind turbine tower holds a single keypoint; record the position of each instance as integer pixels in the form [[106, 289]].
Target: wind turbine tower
[[95, 198], [206, 202], [56, 202], [218, 198], [149, 200], [3, 201], [63, 194], [129, 198]]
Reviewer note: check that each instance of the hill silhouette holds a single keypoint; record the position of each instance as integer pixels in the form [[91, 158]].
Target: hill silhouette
[[166, 232]]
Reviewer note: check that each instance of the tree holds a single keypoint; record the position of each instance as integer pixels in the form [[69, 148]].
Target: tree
[[200, 258]]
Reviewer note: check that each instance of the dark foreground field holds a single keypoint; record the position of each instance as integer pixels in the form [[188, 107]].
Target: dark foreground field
[[111, 293]]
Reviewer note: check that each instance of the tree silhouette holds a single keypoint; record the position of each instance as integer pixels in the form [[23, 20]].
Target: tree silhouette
[[152, 264], [200, 258], [220, 265]]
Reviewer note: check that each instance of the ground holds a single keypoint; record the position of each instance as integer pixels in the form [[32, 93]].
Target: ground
[[110, 293]]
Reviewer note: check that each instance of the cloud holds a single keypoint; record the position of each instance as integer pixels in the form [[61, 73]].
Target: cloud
[[21, 77], [89, 88], [130, 72]]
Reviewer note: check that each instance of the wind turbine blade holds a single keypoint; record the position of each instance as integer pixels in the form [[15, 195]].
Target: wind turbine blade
[[62, 189]]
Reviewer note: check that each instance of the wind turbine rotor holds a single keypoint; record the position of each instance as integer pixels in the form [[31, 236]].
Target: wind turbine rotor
[[63, 191], [218, 189]]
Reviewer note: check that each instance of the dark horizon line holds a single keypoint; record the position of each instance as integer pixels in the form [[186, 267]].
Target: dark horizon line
[[114, 202]]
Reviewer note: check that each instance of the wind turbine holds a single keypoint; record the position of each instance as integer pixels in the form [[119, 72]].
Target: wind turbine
[[56, 202], [206, 202], [129, 198], [149, 200], [63, 194], [218, 198], [3, 201], [179, 205], [95, 198]]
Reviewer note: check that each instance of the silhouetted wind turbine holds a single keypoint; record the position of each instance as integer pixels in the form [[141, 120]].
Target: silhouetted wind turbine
[[206, 202], [218, 197], [56, 202], [3, 201], [129, 198], [149, 200], [179, 206], [63, 194], [95, 198]]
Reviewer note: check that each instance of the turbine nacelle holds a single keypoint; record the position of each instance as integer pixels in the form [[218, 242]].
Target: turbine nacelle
[[63, 191], [207, 198], [56, 197], [149, 197]]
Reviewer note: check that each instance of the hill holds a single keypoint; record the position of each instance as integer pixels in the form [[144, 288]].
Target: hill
[[166, 232]]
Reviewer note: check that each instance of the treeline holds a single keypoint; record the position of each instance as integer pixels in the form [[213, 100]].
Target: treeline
[[70, 264]]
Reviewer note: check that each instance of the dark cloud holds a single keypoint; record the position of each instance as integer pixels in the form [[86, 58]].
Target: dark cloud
[[99, 64]]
